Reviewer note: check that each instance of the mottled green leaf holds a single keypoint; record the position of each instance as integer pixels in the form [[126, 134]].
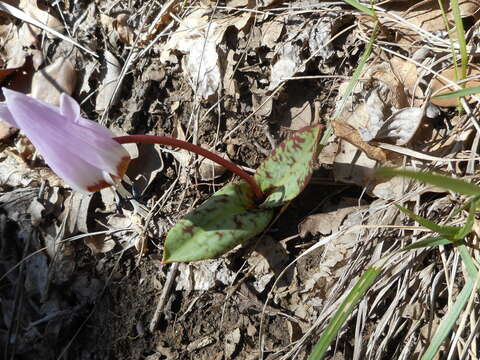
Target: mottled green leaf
[[222, 222], [286, 172]]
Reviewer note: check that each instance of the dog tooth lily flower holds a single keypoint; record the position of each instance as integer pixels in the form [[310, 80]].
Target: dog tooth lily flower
[[80, 151]]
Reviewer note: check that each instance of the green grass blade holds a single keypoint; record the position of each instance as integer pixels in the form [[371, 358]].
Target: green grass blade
[[353, 81], [358, 71], [468, 261], [428, 242], [459, 93], [447, 231], [361, 7], [449, 321], [461, 36], [468, 226], [452, 41], [445, 182], [343, 312]]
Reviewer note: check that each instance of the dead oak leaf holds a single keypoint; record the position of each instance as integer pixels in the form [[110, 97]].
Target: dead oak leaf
[[348, 133]]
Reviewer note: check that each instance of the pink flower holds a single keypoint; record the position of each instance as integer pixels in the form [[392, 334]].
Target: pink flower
[[80, 151]]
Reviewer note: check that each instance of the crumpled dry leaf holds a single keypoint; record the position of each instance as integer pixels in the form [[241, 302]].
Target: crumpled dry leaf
[[49, 82], [198, 40], [15, 172], [271, 32], [401, 126], [42, 15], [288, 63], [98, 244], [298, 116], [17, 44], [425, 14], [232, 340], [335, 254], [144, 170], [209, 170], [106, 92], [118, 29], [203, 275], [325, 223], [6, 130], [348, 133], [76, 210], [269, 259]]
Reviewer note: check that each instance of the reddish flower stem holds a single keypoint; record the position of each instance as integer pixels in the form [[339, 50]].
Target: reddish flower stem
[[164, 140]]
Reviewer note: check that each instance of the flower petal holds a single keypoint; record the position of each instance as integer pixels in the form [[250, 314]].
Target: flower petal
[[47, 127], [69, 107], [79, 174], [6, 115]]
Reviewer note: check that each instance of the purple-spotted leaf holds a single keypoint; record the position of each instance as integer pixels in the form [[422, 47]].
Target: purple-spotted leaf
[[222, 222], [286, 172]]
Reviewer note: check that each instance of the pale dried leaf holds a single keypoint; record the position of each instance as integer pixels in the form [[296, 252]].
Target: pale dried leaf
[[287, 64], [401, 126], [438, 83], [51, 81], [98, 244], [203, 275], [44, 16], [77, 209], [106, 92]]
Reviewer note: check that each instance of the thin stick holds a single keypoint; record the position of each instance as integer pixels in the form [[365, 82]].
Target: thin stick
[[172, 274], [164, 140]]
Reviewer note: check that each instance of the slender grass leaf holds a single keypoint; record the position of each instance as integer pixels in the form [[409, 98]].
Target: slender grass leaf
[[343, 312], [361, 7], [467, 259], [457, 17], [447, 231], [445, 182], [428, 242], [353, 81], [468, 226], [459, 93], [222, 222], [358, 72], [286, 172], [449, 321]]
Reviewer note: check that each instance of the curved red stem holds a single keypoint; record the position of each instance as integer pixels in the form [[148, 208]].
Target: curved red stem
[[165, 140]]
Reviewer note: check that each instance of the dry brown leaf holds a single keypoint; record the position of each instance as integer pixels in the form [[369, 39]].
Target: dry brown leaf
[[405, 71], [145, 168], [271, 32], [325, 223], [348, 133], [125, 32], [198, 39], [42, 15], [106, 92], [298, 116], [438, 83], [98, 244], [17, 44], [51, 81], [401, 126], [6, 130], [209, 170], [15, 172], [203, 275], [424, 14], [76, 209]]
